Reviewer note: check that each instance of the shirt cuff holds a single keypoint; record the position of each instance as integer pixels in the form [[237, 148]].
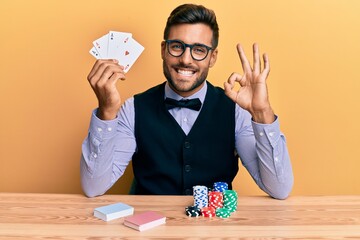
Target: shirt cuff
[[102, 129], [267, 133]]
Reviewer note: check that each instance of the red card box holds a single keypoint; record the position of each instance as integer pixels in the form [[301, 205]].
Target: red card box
[[144, 221]]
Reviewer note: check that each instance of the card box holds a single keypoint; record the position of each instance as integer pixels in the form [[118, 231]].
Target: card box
[[113, 211], [144, 221]]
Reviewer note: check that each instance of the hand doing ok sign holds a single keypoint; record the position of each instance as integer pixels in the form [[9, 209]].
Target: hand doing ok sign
[[252, 95]]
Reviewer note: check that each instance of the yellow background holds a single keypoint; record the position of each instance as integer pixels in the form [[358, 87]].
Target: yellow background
[[46, 101]]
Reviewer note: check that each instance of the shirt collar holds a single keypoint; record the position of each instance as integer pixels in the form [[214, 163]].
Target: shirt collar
[[199, 94]]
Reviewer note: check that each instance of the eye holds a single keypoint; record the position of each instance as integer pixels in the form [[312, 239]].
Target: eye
[[176, 46], [199, 49]]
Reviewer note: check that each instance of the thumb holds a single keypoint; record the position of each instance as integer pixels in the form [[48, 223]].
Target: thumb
[[230, 84], [228, 87]]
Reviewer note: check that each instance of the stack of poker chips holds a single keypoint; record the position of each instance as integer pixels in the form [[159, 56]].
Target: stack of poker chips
[[230, 200], [200, 194], [208, 212], [220, 202], [223, 213], [216, 199], [193, 211]]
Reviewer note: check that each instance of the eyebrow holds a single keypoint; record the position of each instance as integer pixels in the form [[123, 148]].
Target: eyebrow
[[196, 43]]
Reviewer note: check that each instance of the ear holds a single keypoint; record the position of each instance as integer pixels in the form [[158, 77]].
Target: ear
[[213, 57], [163, 48]]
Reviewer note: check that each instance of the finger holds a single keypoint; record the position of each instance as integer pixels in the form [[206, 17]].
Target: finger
[[116, 76], [236, 77], [94, 68], [229, 92], [230, 84], [244, 61], [257, 62], [109, 72], [104, 71], [97, 64], [266, 70], [98, 72], [110, 84]]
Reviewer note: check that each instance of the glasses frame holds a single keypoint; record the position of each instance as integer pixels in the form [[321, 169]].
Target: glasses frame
[[185, 45]]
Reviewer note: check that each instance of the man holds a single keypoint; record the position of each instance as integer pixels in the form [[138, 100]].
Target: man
[[175, 145]]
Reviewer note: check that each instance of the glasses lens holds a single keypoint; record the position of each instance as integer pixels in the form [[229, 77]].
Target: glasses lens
[[199, 52], [176, 48]]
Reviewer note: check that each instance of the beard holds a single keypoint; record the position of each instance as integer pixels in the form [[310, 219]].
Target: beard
[[177, 87]]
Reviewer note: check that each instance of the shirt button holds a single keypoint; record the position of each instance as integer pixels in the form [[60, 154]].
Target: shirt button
[[94, 155], [186, 145], [187, 168], [109, 129], [271, 134], [261, 134], [99, 129], [276, 159], [185, 120]]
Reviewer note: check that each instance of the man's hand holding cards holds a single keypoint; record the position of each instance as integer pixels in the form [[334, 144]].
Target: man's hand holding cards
[[117, 45]]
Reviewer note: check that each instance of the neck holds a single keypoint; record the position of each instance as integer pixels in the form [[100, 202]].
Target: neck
[[188, 93]]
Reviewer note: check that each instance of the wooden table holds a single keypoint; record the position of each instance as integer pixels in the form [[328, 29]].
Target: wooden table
[[70, 216]]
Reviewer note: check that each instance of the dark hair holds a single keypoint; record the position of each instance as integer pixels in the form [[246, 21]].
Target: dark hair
[[191, 13]]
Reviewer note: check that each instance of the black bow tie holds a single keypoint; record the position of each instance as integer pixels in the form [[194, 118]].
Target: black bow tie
[[194, 104]]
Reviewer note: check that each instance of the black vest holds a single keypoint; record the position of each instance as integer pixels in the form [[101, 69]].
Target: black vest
[[169, 162]]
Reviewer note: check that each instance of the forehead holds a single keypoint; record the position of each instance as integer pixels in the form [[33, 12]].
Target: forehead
[[191, 33]]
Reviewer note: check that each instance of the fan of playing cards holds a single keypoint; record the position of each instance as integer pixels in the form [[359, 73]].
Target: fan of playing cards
[[117, 45]]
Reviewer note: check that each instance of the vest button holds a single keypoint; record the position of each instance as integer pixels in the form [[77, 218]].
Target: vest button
[[188, 192], [187, 168], [186, 145]]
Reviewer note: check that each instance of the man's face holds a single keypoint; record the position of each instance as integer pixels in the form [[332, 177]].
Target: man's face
[[184, 74]]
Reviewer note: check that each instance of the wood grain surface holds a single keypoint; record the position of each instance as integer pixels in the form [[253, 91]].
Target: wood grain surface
[[70, 216]]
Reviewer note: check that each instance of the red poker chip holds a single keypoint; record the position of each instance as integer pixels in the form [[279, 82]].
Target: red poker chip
[[208, 212], [216, 199]]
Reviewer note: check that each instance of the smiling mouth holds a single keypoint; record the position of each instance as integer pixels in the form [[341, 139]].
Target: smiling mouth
[[185, 72]]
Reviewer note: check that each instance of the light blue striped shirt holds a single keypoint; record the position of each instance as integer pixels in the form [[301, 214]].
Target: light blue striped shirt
[[110, 145]]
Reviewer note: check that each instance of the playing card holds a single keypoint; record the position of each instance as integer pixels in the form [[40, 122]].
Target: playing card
[[130, 52], [116, 43], [94, 52], [101, 45]]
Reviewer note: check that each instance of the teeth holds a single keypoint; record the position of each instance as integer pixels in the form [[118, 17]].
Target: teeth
[[184, 72]]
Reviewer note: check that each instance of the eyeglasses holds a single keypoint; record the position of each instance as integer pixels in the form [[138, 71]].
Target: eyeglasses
[[198, 51]]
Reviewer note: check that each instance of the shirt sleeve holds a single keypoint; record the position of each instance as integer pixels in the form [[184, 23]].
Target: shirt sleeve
[[263, 152], [107, 150]]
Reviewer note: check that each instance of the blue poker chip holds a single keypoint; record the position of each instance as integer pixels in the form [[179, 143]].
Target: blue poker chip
[[220, 186]]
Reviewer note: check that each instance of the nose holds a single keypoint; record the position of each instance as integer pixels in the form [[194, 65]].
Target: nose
[[186, 57]]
